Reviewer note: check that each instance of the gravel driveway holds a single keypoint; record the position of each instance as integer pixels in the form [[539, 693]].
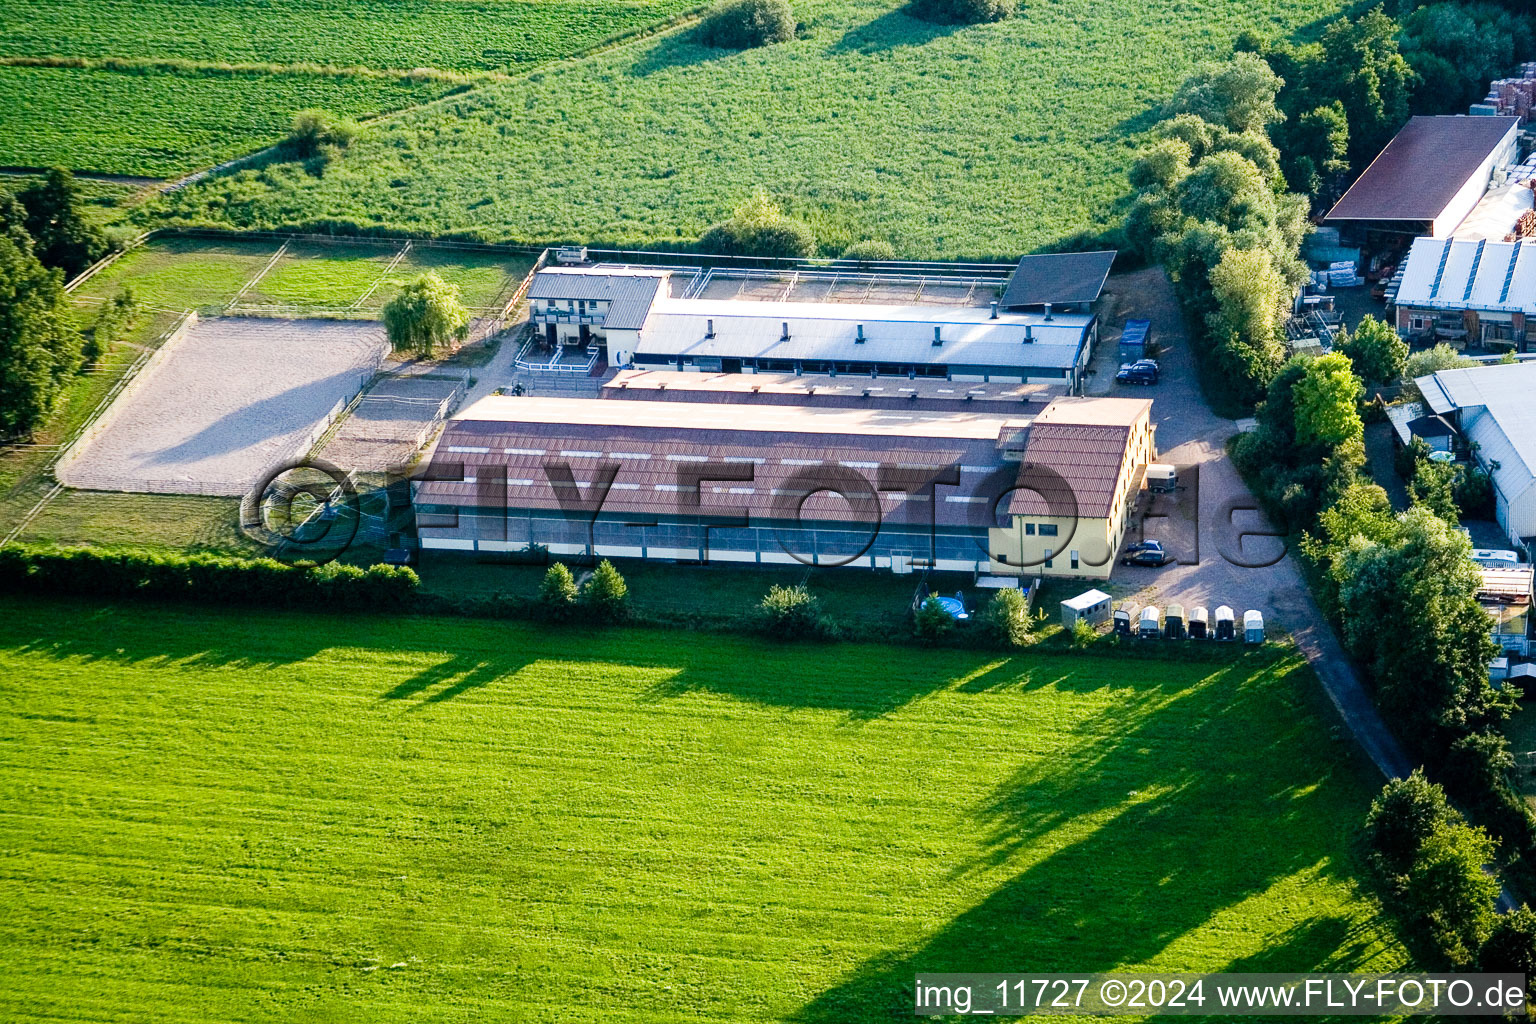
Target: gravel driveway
[[1201, 524]]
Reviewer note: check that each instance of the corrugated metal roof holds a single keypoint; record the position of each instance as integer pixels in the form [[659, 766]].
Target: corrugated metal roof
[[1444, 273], [1422, 169], [892, 334], [1498, 415], [629, 293], [1064, 277]]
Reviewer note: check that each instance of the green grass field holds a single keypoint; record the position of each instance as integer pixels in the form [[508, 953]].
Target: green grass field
[[980, 141], [267, 817], [455, 35], [163, 123]]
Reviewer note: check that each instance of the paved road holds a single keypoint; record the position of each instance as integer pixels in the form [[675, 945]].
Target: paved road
[[1199, 524]]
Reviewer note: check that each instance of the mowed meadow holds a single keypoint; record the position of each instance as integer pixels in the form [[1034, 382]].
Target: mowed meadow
[[951, 142], [254, 816], [167, 87]]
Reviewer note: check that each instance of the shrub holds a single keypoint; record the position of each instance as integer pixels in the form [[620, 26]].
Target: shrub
[[1007, 618], [759, 227], [932, 623], [1401, 817], [557, 592], [792, 613], [871, 250], [606, 595], [201, 577], [112, 321], [961, 12], [1478, 764], [1511, 949], [314, 130], [1083, 633], [743, 24], [1449, 894]]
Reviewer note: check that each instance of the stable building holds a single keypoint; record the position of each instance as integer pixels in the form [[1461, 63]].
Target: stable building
[[1461, 290], [631, 317], [1428, 178], [880, 488]]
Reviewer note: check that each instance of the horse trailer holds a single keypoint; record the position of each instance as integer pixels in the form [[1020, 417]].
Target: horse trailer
[[1199, 621], [1225, 627]]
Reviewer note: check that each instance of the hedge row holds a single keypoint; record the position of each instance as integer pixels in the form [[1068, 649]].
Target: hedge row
[[201, 577]]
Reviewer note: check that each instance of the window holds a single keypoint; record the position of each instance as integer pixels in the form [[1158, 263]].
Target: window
[[1029, 529], [1001, 558], [1074, 559], [1048, 558], [1047, 529]]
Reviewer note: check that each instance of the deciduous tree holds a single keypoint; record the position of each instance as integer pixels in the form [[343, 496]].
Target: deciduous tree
[[425, 315], [39, 351]]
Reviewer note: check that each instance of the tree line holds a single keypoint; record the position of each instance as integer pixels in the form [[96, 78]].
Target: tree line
[[45, 239]]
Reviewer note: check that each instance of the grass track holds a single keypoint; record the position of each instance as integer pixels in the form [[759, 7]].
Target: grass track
[[273, 817]]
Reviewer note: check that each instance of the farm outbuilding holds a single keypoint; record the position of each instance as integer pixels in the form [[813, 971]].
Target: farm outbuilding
[[629, 317], [1058, 282], [1491, 409], [1428, 178], [1092, 607], [1477, 292]]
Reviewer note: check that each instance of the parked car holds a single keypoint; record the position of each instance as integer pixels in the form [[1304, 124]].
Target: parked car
[[1151, 558], [1146, 545], [1142, 371]]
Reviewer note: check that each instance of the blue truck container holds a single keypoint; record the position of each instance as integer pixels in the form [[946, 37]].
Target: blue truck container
[[1135, 340]]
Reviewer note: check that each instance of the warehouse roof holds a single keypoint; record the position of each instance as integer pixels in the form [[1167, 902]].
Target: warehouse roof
[[1443, 273], [1497, 415], [1423, 168], [1058, 278], [892, 334], [629, 291]]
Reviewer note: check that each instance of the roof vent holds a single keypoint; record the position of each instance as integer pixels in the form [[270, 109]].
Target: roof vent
[[661, 386], [1029, 333], [709, 328], [756, 388], [785, 335], [1048, 316], [811, 390], [994, 309], [866, 392], [623, 384], [858, 339], [938, 338]]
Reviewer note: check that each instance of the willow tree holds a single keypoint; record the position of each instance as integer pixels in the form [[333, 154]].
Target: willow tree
[[425, 315]]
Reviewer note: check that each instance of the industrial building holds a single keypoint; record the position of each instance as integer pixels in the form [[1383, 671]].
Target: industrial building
[[877, 488], [1492, 409], [923, 393], [629, 317], [1477, 292], [1428, 178]]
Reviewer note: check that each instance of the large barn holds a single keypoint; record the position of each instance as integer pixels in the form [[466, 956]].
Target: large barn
[[631, 316], [875, 488]]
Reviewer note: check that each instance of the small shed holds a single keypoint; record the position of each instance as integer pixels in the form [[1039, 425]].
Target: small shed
[[1225, 626], [1150, 624], [1162, 478], [1092, 607], [1173, 622], [1136, 341], [1253, 627], [1199, 622], [1125, 618]]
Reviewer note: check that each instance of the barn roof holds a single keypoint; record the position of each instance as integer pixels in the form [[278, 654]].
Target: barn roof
[[1423, 168]]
